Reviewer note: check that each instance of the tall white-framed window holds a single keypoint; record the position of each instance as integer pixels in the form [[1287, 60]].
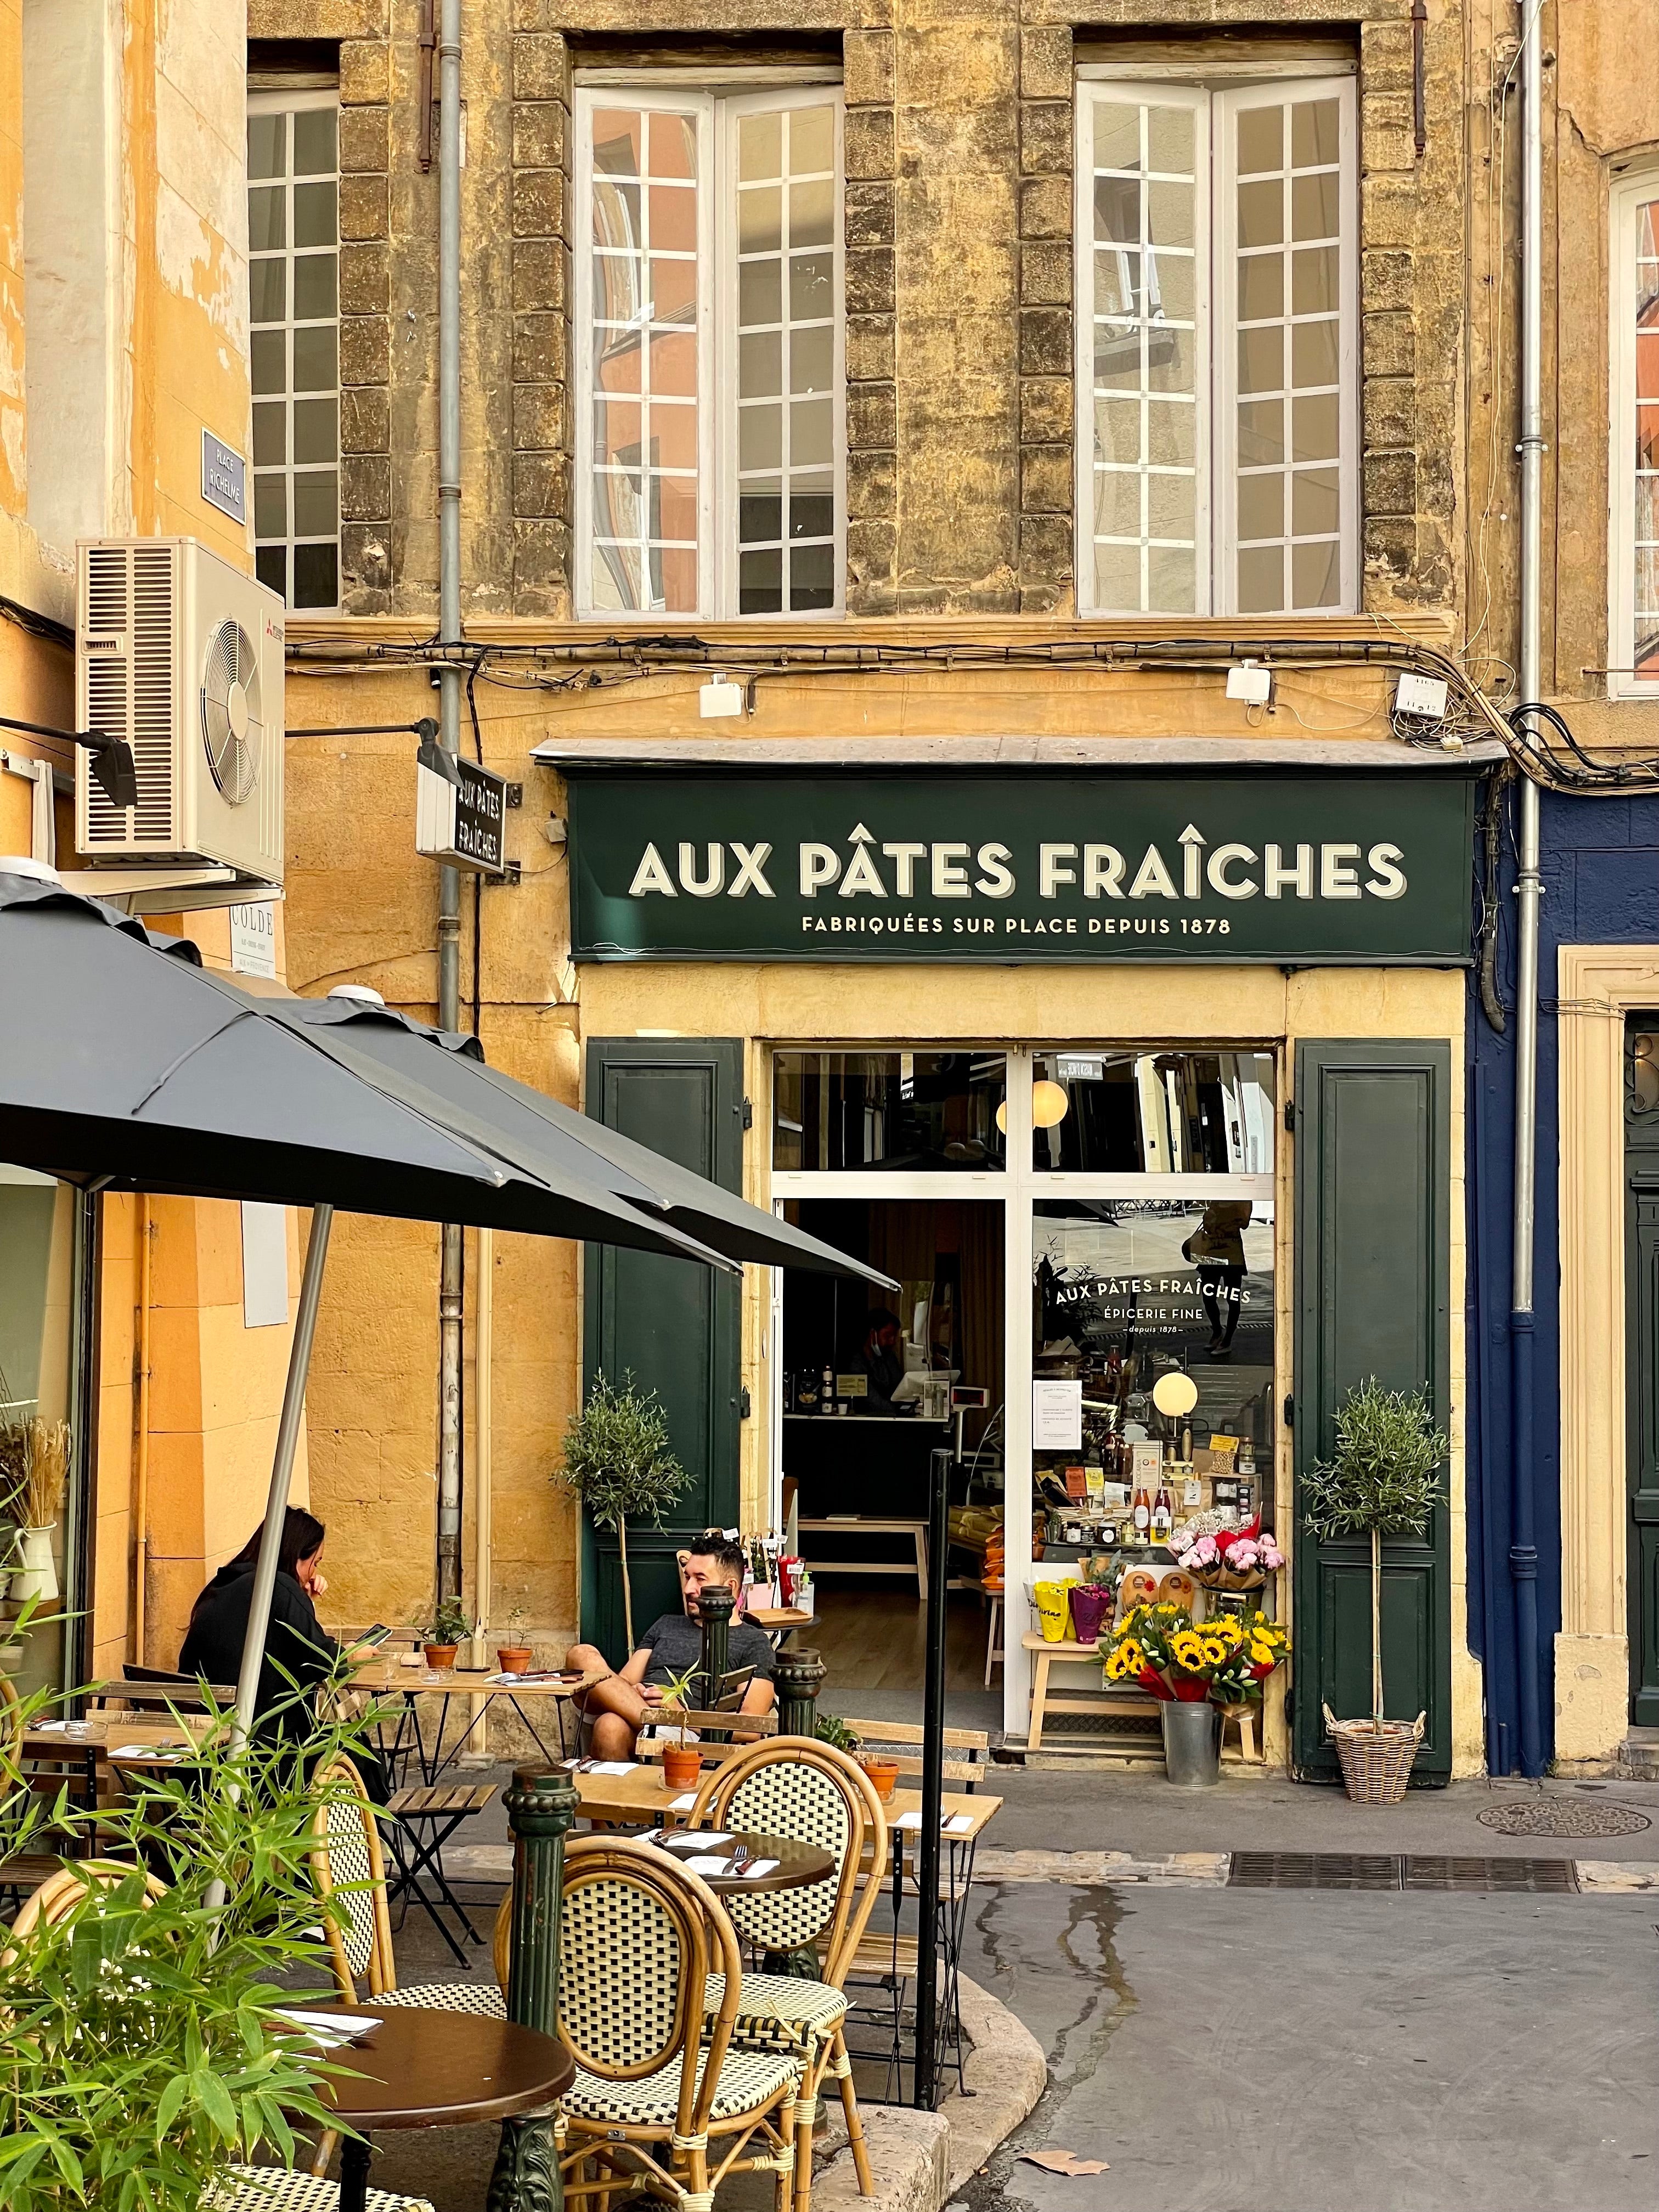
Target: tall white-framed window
[[710, 440], [1217, 351], [1633, 450], [294, 303]]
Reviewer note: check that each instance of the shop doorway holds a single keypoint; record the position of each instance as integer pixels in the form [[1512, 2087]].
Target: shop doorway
[[871, 1388], [1642, 1361]]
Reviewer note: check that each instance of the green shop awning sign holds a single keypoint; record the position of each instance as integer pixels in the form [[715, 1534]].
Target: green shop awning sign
[[1339, 867]]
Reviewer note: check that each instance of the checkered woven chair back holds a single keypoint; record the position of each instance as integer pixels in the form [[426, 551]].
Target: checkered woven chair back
[[11, 1727], [347, 1866], [812, 1794]]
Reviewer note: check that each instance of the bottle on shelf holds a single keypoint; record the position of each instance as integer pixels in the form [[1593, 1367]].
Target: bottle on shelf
[[1163, 1515], [1143, 1515], [827, 1389]]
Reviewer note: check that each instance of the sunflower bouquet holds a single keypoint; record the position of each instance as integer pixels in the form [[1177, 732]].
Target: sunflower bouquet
[[1178, 1661]]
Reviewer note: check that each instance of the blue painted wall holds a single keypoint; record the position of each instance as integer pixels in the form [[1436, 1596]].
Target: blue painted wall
[[1601, 869]]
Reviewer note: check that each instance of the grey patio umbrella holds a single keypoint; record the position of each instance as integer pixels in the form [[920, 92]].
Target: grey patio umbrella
[[126, 1065], [385, 1046]]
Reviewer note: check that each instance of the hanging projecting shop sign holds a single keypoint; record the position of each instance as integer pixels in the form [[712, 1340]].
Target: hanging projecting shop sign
[[1263, 867]]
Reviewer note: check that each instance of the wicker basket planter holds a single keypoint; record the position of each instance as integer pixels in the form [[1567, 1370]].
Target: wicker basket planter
[[1376, 1756]]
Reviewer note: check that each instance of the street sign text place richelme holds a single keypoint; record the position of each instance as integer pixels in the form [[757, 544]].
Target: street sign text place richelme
[[1343, 867]]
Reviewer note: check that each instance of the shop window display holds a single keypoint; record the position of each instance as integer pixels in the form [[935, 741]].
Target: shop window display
[[1154, 1112], [38, 1372], [1125, 1292]]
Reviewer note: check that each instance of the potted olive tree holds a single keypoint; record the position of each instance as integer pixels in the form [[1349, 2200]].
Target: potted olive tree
[[1383, 1480], [619, 1462]]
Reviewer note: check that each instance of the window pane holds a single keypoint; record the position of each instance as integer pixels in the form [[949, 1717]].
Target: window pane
[[760, 293], [760, 220], [760, 365], [811, 577], [760, 148], [1158, 1113], [1125, 1290], [267, 145], [1291, 309], [906, 1111], [760, 583], [316, 575], [811, 359], [314, 143], [811, 140], [1644, 550], [1147, 368], [315, 293], [643, 453], [301, 289], [760, 515], [811, 287]]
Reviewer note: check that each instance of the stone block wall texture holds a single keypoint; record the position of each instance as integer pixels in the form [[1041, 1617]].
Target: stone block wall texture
[[960, 404]]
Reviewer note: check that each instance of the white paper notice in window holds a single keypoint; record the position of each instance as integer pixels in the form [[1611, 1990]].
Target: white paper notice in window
[[1056, 1416]]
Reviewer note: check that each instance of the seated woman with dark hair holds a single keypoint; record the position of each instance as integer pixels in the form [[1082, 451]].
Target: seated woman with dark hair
[[299, 1653]]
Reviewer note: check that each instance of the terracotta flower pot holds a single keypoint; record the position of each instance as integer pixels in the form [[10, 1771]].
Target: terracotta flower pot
[[513, 1658], [441, 1657], [883, 1773], [681, 1765]]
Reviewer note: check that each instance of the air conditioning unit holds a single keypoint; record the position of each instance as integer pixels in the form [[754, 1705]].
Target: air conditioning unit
[[180, 654]]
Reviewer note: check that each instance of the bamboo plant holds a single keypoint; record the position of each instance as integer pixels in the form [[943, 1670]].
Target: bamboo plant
[[1383, 1480], [619, 1462]]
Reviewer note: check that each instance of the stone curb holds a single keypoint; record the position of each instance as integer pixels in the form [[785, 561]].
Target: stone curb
[[920, 2158]]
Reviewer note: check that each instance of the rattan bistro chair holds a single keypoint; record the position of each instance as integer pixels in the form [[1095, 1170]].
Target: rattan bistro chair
[[661, 2103], [812, 1794]]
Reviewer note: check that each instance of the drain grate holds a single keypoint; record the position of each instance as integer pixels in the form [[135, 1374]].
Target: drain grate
[[1519, 1877], [1387, 1870], [1313, 1870], [1563, 1816]]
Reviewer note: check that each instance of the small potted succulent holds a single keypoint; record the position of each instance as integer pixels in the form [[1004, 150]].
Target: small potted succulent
[[448, 1630], [681, 1762], [514, 1656]]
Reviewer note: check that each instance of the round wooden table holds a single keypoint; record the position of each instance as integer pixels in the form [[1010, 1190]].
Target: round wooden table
[[798, 1865], [425, 2068]]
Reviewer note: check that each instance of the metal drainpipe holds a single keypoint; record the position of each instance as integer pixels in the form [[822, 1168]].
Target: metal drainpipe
[[450, 1289], [1524, 1550]]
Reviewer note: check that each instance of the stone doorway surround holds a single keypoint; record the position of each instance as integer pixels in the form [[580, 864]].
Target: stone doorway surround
[[1599, 985]]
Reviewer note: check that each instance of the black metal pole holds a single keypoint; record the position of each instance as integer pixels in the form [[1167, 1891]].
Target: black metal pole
[[540, 1808], [799, 1678], [933, 1790], [716, 1606]]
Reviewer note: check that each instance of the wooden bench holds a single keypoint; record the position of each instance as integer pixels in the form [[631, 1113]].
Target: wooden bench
[[867, 1525], [902, 1741]]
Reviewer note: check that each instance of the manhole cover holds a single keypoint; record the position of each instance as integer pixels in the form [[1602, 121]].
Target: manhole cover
[[1563, 1816]]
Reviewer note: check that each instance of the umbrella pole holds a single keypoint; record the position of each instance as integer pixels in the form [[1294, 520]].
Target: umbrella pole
[[281, 1469]]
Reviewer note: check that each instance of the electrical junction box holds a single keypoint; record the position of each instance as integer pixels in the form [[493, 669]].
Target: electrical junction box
[[719, 698], [1423, 697], [1251, 682]]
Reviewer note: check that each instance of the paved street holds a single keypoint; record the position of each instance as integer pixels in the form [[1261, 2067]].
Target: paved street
[[1330, 2052]]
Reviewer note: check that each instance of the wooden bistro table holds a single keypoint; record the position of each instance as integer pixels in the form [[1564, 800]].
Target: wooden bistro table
[[422, 1686], [728, 1859], [118, 1739], [418, 2068]]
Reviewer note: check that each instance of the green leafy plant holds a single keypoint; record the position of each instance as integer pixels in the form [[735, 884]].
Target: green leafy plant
[[676, 1691], [833, 1730], [146, 2053], [513, 1633], [446, 1622], [1383, 1480], [619, 1462]]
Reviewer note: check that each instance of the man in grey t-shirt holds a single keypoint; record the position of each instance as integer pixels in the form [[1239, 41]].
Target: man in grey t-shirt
[[620, 1705]]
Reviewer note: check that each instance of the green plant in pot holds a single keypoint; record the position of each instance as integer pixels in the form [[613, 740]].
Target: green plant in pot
[[513, 1655], [681, 1762], [146, 2056], [448, 1628], [619, 1462], [1383, 1479]]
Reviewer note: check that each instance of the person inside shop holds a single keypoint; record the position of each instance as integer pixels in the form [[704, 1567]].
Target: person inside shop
[[620, 1705], [299, 1653], [881, 1359], [1216, 1247]]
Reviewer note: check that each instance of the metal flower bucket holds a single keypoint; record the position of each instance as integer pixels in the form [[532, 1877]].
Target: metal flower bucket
[[1191, 1744]]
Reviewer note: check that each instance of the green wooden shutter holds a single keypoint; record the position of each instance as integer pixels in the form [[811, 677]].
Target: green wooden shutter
[[1373, 1127], [672, 1323], [1642, 1296]]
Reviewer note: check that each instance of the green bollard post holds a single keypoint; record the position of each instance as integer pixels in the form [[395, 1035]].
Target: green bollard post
[[717, 1606], [540, 1808], [800, 1677]]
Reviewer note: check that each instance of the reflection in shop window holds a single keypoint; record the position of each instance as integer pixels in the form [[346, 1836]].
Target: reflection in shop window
[[1154, 1113], [1125, 1290], [914, 1112], [37, 1370]]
